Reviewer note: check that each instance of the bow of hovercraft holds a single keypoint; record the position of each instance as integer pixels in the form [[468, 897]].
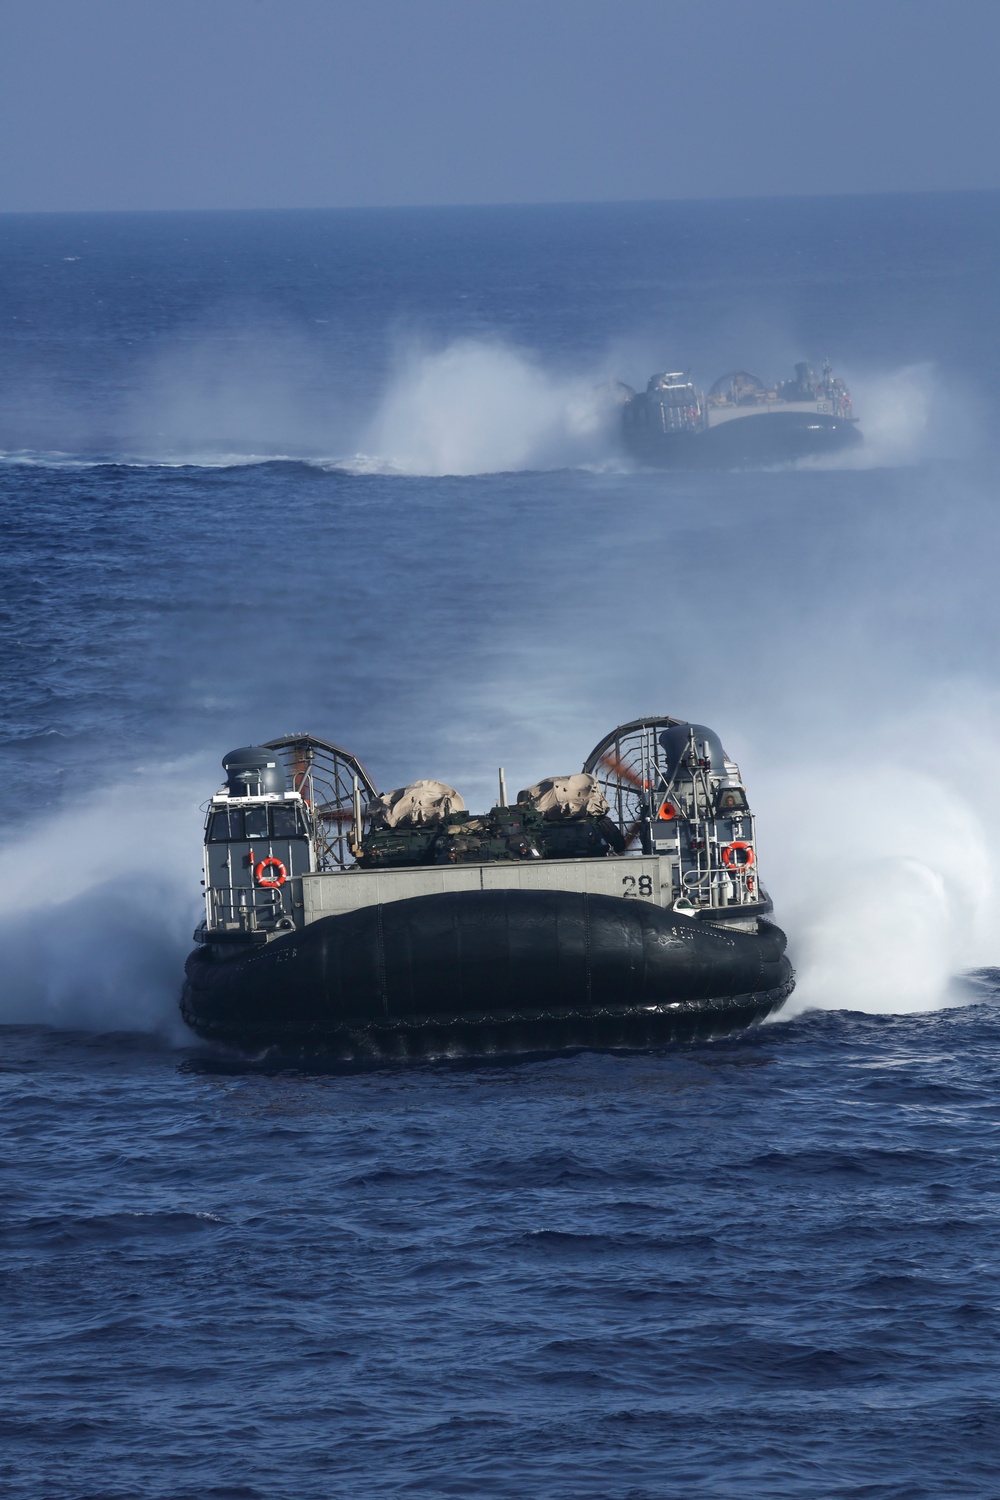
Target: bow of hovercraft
[[619, 906]]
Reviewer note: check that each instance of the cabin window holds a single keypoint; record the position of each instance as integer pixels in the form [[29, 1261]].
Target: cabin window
[[255, 823], [731, 799], [225, 826], [234, 824], [285, 821]]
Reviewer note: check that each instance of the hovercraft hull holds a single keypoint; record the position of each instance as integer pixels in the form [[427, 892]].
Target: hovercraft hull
[[488, 972], [753, 441]]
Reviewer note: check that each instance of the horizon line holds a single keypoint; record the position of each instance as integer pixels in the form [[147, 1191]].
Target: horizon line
[[537, 203]]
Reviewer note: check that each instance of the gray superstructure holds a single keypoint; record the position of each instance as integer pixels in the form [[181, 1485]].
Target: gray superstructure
[[282, 848]]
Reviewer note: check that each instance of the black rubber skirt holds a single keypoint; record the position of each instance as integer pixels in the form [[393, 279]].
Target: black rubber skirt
[[483, 973], [745, 442]]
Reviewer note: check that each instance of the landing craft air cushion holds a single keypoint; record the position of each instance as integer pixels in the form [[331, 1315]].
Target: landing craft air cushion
[[618, 907], [741, 423]]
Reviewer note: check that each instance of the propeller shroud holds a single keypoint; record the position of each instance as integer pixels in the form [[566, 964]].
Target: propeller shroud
[[630, 765]]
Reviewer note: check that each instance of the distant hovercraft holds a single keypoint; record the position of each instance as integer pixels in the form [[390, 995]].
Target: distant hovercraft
[[741, 423]]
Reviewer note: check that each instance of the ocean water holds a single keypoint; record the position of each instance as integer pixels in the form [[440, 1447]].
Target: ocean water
[[350, 473]]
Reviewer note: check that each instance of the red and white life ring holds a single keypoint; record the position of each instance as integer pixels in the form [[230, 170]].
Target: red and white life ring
[[280, 873], [740, 864]]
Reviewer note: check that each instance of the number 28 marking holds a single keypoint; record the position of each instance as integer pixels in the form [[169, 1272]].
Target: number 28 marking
[[645, 884]]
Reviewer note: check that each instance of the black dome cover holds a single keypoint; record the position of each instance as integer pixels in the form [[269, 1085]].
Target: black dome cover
[[253, 771], [676, 742]]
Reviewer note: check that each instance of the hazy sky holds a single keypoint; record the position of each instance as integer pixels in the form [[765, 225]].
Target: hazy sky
[[119, 104]]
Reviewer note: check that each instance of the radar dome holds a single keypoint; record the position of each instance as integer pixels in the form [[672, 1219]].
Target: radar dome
[[254, 771]]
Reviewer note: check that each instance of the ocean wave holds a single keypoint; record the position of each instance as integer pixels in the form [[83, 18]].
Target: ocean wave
[[49, 459]]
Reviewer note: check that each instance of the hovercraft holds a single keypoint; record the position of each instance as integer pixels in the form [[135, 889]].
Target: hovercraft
[[741, 423], [620, 907]]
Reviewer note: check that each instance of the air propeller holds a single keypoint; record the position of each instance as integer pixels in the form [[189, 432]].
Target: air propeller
[[628, 763]]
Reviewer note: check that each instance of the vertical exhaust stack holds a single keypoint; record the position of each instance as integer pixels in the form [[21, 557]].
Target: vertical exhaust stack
[[356, 803]]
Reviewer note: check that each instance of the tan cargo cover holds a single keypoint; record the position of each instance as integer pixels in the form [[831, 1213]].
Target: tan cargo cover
[[561, 798], [422, 804]]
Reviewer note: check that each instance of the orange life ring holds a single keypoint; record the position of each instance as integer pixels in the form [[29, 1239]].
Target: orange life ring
[[281, 874], [743, 864]]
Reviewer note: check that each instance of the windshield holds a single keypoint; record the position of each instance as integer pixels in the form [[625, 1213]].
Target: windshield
[[255, 823], [225, 826], [286, 822]]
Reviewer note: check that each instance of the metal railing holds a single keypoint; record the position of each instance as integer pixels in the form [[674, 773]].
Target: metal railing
[[246, 907]]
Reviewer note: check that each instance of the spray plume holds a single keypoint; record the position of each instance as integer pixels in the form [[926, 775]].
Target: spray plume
[[95, 936]]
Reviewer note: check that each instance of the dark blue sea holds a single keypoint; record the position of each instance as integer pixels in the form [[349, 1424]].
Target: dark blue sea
[[351, 473]]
